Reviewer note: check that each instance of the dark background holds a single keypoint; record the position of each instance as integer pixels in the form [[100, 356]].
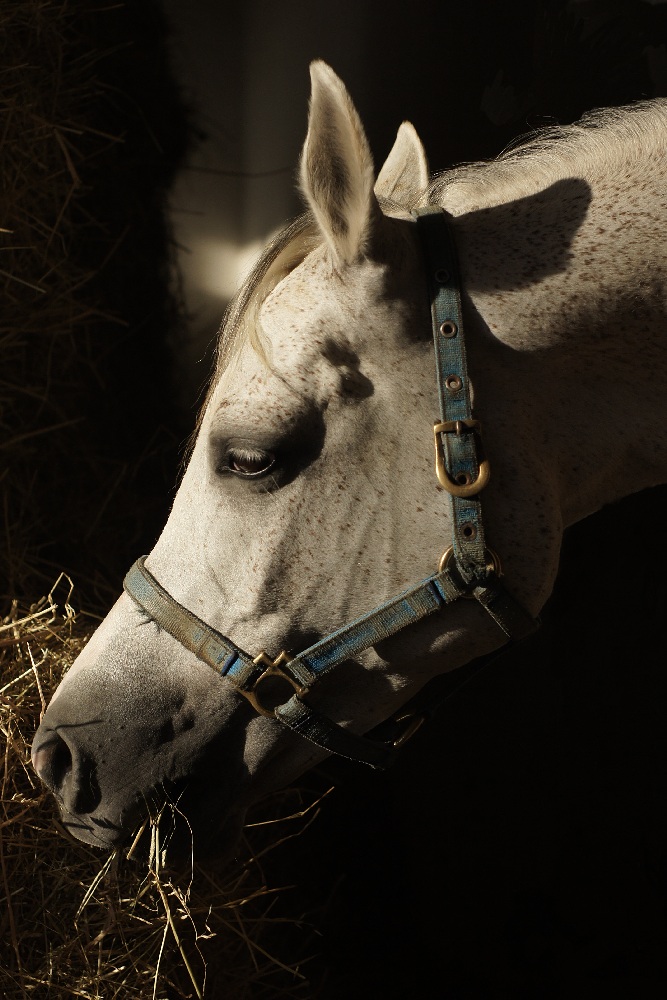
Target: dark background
[[518, 849]]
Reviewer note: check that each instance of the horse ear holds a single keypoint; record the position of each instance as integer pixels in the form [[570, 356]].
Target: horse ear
[[404, 174], [337, 167]]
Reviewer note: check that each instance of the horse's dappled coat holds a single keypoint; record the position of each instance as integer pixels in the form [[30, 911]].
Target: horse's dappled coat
[[326, 369]]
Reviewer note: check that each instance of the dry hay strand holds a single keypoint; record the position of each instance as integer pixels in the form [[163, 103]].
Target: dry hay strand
[[74, 923]]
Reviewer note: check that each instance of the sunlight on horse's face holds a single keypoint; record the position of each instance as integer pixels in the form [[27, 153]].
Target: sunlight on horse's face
[[309, 498]]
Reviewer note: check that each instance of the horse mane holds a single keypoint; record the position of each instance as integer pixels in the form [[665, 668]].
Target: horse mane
[[285, 252], [596, 144], [593, 146]]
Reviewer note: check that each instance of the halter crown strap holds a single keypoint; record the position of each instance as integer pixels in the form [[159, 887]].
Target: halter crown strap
[[467, 568], [457, 435]]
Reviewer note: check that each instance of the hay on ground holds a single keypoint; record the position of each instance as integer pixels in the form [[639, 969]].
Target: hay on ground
[[77, 923]]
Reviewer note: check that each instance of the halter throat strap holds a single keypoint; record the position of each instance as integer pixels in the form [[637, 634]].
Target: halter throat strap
[[467, 568]]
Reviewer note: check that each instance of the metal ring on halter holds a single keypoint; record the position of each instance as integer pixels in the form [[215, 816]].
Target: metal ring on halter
[[272, 670], [494, 564]]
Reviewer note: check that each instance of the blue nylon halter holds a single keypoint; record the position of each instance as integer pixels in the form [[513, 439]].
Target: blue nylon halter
[[467, 569]]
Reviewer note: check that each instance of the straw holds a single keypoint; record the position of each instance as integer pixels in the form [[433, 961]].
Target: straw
[[77, 923]]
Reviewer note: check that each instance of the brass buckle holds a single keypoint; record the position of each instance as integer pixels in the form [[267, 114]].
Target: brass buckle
[[493, 564], [467, 489], [272, 670]]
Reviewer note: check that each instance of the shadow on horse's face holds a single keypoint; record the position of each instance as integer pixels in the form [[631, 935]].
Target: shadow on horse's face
[[308, 500]]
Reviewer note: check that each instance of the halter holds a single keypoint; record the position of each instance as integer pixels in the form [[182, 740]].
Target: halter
[[467, 568]]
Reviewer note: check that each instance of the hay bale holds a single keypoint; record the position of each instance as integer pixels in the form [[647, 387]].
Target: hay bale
[[74, 923], [92, 133]]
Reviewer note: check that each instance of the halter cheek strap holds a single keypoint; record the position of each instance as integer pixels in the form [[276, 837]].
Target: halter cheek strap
[[467, 568]]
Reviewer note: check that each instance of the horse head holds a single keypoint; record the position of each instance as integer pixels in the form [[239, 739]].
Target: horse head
[[309, 499]]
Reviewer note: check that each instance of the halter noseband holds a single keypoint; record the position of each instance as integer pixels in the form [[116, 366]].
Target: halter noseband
[[467, 568]]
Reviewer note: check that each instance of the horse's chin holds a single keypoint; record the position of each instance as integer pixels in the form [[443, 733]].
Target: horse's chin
[[182, 840], [94, 830], [202, 838], [185, 828]]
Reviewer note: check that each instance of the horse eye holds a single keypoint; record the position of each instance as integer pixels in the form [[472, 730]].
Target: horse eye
[[248, 463]]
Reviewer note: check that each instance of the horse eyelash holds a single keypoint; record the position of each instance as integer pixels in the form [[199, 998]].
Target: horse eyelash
[[271, 485], [247, 454], [250, 455]]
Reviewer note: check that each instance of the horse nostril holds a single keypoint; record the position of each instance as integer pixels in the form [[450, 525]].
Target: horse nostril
[[53, 762]]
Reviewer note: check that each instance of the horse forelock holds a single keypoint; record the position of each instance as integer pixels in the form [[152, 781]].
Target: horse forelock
[[280, 257], [285, 252], [240, 322]]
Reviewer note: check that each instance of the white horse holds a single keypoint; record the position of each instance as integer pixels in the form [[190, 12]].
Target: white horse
[[310, 496]]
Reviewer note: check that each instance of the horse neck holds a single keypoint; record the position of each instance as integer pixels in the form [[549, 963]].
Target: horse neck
[[581, 337]]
